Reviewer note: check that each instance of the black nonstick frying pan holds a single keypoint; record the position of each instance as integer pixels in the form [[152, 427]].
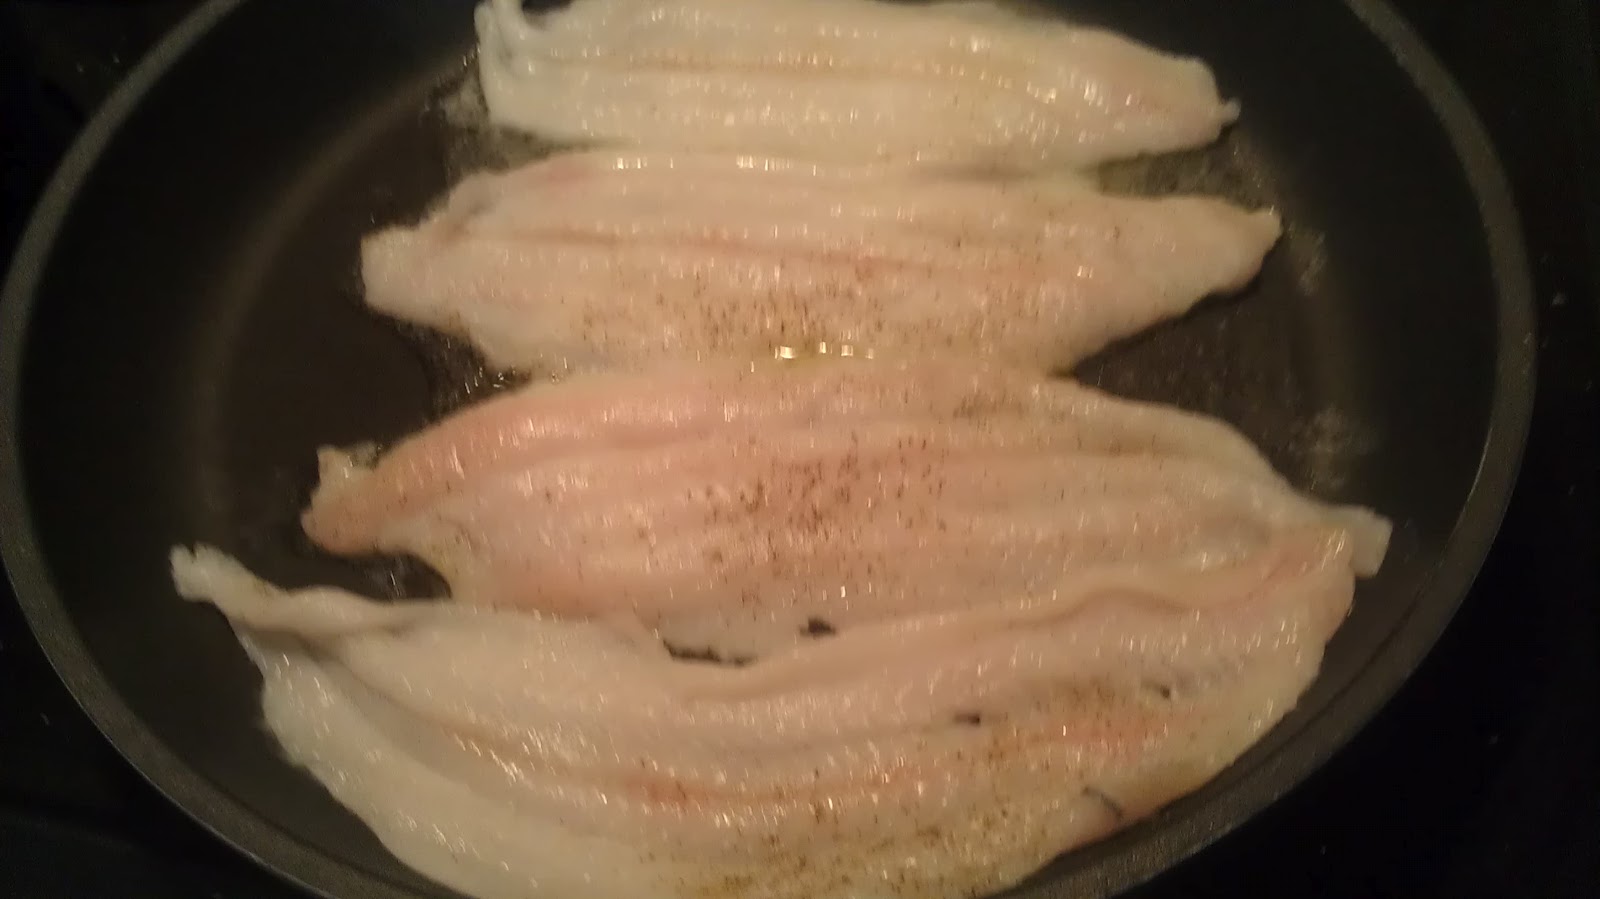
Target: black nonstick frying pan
[[182, 328]]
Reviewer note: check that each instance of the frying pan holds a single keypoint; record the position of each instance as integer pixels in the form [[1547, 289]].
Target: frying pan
[[182, 328]]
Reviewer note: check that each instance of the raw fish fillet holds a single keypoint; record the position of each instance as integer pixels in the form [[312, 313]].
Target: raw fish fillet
[[841, 80], [513, 756], [736, 508], [604, 259]]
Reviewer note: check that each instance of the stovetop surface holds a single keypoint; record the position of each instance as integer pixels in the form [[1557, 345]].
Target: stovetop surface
[[1481, 779]]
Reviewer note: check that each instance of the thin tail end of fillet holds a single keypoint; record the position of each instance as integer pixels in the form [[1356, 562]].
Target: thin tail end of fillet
[[1196, 90], [333, 520], [1181, 108], [1265, 228], [410, 275], [206, 574], [384, 268], [202, 573], [1258, 232], [393, 264], [500, 24], [1225, 111], [1231, 245], [1370, 534], [1269, 222]]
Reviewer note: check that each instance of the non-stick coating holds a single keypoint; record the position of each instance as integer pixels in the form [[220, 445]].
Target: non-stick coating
[[183, 330]]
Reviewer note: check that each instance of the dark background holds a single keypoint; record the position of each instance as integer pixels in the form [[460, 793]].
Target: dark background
[[1482, 779]]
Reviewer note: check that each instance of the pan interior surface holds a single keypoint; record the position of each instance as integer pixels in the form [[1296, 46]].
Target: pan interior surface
[[194, 332]]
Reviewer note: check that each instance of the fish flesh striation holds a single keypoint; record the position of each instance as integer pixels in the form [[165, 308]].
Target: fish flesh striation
[[966, 84], [736, 508], [602, 259], [939, 754], [886, 612]]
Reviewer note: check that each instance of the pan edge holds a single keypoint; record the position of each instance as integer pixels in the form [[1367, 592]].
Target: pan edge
[[1471, 539], [196, 798]]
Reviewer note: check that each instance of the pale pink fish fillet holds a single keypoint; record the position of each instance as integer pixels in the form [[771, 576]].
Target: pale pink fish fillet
[[733, 507], [603, 259], [681, 402], [851, 80], [510, 755]]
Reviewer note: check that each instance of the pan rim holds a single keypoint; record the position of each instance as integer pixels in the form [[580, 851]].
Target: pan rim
[[1136, 860]]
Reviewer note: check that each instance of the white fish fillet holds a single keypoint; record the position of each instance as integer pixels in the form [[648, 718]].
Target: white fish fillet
[[512, 756], [732, 507], [842, 80], [604, 259]]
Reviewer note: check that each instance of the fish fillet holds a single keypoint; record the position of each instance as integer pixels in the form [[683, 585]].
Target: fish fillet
[[513, 756], [735, 508], [604, 259], [841, 80]]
